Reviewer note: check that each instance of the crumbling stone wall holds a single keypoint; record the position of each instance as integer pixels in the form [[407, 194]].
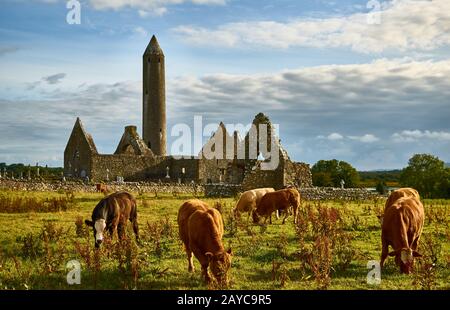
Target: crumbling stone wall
[[150, 168], [77, 186], [209, 190], [130, 167], [222, 190], [331, 193], [190, 166], [221, 170], [263, 178], [297, 174]]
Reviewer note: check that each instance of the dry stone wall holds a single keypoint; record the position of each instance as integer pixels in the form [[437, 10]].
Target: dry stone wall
[[209, 190], [331, 193], [136, 187]]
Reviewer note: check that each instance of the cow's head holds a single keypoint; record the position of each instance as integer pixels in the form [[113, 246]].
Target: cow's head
[[219, 264], [405, 259], [99, 230], [294, 197], [255, 216]]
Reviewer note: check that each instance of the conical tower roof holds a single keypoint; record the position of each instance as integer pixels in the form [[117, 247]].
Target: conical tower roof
[[153, 47]]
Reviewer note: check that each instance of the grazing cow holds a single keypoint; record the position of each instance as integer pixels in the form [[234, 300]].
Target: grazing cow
[[102, 188], [280, 200], [249, 200], [397, 194], [201, 230], [112, 214], [401, 229]]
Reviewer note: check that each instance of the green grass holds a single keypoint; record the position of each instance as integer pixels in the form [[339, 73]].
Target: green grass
[[160, 261]]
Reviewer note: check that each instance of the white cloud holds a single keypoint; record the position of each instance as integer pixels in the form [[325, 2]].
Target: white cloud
[[144, 7], [158, 11], [414, 135], [367, 138], [387, 87], [43, 131], [404, 25], [143, 13], [335, 136], [141, 31], [389, 96]]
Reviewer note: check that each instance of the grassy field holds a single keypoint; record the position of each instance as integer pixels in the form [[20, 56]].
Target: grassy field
[[328, 249]]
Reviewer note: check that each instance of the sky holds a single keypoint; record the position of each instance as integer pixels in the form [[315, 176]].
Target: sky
[[367, 82]]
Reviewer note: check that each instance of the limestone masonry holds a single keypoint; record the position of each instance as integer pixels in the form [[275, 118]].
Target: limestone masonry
[[208, 190], [146, 159]]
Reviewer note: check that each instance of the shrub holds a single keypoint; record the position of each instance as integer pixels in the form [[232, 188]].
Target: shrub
[[159, 234], [280, 273], [129, 264], [436, 214], [331, 247], [11, 204], [81, 229], [31, 246], [320, 261]]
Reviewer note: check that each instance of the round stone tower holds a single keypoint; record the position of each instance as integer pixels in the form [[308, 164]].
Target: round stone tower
[[154, 98]]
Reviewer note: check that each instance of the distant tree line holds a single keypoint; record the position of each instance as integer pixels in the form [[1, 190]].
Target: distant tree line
[[426, 173], [17, 170], [373, 178]]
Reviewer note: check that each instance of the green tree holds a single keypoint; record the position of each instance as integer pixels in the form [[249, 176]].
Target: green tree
[[322, 179], [427, 174], [381, 187], [331, 172]]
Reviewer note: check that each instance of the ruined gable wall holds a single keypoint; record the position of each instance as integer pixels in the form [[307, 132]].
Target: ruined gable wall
[[77, 156]]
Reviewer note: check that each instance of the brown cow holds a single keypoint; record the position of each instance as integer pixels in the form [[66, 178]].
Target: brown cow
[[249, 200], [201, 230], [112, 214], [399, 193], [401, 229], [280, 200], [102, 188]]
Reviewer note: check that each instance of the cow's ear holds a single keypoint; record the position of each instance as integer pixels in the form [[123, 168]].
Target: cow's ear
[[89, 223], [209, 255], [230, 251], [416, 254]]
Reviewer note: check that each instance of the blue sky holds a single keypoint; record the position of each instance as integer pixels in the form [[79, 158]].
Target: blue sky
[[339, 84]]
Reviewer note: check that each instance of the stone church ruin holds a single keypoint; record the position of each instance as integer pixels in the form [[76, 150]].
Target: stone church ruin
[[145, 158]]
